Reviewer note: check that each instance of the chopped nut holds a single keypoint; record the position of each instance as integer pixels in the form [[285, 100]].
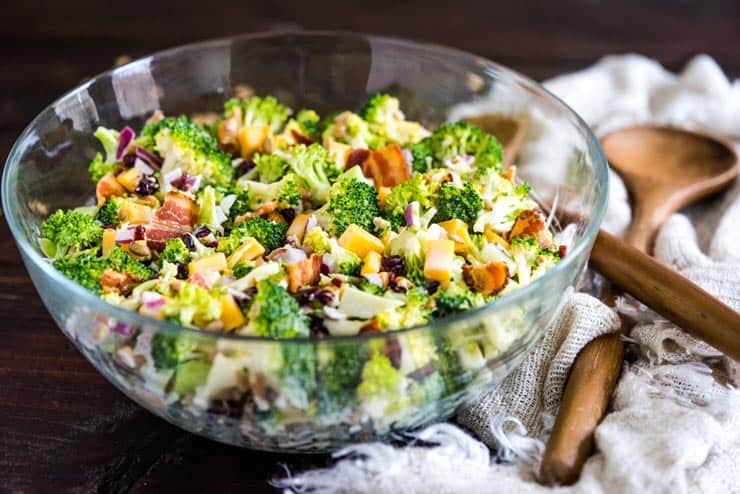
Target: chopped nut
[[139, 250]]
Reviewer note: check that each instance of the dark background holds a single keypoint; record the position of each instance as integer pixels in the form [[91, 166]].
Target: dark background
[[62, 426]]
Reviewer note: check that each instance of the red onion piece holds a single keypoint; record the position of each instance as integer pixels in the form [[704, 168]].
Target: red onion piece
[[123, 329], [125, 235], [140, 164], [411, 214], [289, 255], [148, 157], [125, 137]]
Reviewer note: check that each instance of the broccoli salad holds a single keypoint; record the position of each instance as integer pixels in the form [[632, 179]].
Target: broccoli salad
[[282, 224]]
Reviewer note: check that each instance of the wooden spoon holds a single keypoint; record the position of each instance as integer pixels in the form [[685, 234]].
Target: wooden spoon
[[664, 169]]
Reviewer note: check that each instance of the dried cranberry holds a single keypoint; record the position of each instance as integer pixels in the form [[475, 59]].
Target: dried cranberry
[[139, 232], [396, 265], [325, 269], [129, 160], [245, 300], [244, 167], [212, 243], [336, 282], [306, 295], [562, 250], [189, 241], [182, 271], [147, 186], [325, 296], [431, 286], [396, 287], [317, 327], [356, 157], [181, 181], [202, 231], [288, 214]]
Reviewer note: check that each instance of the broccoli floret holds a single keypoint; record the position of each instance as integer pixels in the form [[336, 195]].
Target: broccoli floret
[[174, 251], [101, 166], [371, 288], [192, 305], [270, 167], [457, 140], [303, 129], [275, 313], [107, 215], [87, 269], [401, 195], [318, 240], [383, 114], [190, 375], [168, 350], [119, 260], [268, 233], [530, 259], [350, 128], [352, 201], [508, 199], [184, 145], [463, 203], [285, 191], [240, 204], [313, 169], [259, 111], [347, 262], [70, 231], [339, 377], [242, 269], [298, 374], [381, 389], [208, 211], [457, 298], [408, 245], [414, 312]]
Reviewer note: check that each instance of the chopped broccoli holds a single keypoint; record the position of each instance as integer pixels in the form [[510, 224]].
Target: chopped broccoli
[[268, 233], [413, 313], [304, 128], [275, 313], [298, 373], [240, 205], [101, 166], [458, 140], [457, 298], [318, 240], [168, 350], [371, 288], [107, 215], [313, 169], [530, 259], [242, 269], [401, 195], [339, 377], [347, 262], [352, 201], [285, 191], [71, 231], [87, 269], [408, 245], [174, 251], [190, 375], [384, 117], [270, 167], [350, 128], [463, 203], [259, 111], [381, 389], [192, 305], [508, 201], [184, 145]]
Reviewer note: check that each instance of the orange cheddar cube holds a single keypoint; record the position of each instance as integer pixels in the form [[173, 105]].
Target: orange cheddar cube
[[360, 242], [135, 214], [129, 179], [215, 262], [248, 250], [439, 262], [231, 314], [109, 240], [457, 231], [371, 263]]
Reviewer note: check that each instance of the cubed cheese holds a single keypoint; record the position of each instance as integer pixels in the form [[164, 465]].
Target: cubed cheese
[[248, 250], [135, 214], [439, 262], [231, 315], [457, 231], [360, 242], [109, 240], [129, 179], [215, 262], [371, 263]]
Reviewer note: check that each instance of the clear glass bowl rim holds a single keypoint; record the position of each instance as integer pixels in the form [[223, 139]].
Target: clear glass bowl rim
[[89, 300]]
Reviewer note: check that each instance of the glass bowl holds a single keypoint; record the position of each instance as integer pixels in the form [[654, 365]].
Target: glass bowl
[[443, 364]]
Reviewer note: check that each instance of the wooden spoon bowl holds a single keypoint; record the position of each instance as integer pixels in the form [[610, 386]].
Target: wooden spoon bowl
[[666, 169]]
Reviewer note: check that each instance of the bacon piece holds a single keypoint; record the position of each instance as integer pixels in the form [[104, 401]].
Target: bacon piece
[[530, 223], [487, 279], [357, 157], [157, 234], [265, 210], [178, 210], [304, 272], [300, 138], [387, 166], [108, 186], [114, 281]]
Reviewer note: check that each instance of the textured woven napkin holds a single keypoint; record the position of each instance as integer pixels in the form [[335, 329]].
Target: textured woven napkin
[[675, 419]]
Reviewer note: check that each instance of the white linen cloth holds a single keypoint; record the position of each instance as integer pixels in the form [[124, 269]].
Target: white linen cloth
[[674, 425]]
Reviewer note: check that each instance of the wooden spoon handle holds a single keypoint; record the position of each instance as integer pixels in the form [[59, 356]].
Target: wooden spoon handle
[[595, 371], [668, 293]]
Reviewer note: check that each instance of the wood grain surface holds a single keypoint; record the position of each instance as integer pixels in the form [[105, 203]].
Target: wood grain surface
[[63, 428]]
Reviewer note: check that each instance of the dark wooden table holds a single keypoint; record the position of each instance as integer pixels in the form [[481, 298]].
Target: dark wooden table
[[62, 426]]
